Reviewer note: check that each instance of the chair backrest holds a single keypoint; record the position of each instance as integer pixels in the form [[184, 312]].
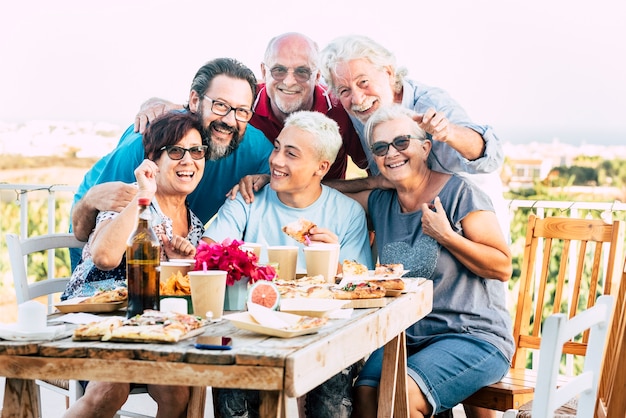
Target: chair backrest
[[611, 398], [557, 331], [20, 249], [571, 274]]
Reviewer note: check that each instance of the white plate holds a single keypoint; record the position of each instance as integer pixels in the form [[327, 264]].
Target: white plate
[[12, 333], [244, 320], [311, 307]]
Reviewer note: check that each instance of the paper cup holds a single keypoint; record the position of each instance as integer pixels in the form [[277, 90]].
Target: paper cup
[[170, 268], [31, 316], [207, 292], [177, 305], [287, 258], [322, 259], [252, 247]]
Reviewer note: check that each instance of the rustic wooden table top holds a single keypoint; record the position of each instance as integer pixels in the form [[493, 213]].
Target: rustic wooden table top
[[289, 367]]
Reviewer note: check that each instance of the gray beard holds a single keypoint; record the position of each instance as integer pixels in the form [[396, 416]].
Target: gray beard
[[217, 151]]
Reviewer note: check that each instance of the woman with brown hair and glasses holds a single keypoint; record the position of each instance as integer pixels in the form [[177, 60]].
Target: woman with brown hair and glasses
[[172, 170]]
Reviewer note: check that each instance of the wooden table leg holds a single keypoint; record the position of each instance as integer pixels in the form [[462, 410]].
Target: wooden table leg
[[197, 402], [271, 404], [21, 399], [393, 396]]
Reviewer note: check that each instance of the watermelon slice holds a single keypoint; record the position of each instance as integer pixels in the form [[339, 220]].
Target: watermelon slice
[[264, 293]]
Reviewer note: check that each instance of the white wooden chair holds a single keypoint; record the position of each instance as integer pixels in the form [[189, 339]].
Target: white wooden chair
[[19, 251], [557, 331]]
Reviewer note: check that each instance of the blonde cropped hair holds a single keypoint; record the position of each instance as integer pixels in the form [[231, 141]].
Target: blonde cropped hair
[[324, 129]]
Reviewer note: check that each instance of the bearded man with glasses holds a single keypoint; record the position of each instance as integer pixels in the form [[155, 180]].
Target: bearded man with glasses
[[221, 95], [291, 82]]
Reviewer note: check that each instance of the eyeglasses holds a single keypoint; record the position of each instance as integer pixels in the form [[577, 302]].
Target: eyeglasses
[[301, 74], [178, 153], [400, 143], [222, 109]]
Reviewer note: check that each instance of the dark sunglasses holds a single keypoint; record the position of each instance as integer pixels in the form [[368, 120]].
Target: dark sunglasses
[[400, 143], [177, 153]]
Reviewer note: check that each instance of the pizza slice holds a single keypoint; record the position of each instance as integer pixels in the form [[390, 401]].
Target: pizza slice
[[118, 294], [389, 284], [299, 230], [354, 269], [96, 330], [392, 270], [363, 290]]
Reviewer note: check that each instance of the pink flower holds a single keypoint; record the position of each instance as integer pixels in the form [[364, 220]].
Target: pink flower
[[228, 256]]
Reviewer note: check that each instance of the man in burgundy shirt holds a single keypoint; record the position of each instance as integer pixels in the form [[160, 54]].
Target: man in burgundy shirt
[[291, 78]]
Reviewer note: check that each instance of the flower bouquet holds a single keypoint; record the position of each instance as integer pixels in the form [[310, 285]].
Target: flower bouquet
[[241, 267]]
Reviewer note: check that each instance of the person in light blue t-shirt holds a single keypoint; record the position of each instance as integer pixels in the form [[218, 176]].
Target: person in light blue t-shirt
[[221, 94], [303, 153]]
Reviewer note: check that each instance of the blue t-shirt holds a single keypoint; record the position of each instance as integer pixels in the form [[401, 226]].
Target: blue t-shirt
[[262, 220], [462, 301], [250, 157]]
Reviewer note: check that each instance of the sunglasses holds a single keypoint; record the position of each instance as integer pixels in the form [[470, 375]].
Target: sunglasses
[[301, 74], [177, 153], [400, 143]]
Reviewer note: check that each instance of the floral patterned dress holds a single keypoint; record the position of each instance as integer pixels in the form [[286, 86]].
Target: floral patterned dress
[[87, 279]]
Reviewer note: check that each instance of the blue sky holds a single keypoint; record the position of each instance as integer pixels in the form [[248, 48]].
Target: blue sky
[[535, 70]]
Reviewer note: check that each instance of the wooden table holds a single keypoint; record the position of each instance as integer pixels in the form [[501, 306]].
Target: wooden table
[[280, 368]]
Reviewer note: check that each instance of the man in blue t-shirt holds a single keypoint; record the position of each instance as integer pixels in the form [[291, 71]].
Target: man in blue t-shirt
[[303, 153], [222, 93]]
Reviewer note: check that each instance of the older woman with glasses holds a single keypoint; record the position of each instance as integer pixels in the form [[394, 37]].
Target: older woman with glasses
[[443, 228], [173, 169]]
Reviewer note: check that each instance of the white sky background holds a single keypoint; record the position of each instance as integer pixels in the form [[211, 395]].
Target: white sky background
[[534, 69]]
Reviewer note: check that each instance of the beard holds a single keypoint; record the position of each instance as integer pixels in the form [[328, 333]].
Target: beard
[[217, 150], [288, 107]]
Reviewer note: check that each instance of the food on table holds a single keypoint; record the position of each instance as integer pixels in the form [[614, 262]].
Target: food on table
[[118, 294], [362, 290], [307, 322], [96, 330], [176, 285], [151, 326], [393, 270], [264, 293], [389, 284], [299, 229], [354, 269]]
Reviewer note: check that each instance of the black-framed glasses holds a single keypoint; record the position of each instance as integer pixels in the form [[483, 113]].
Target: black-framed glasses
[[400, 143], [222, 109], [177, 153], [301, 74]]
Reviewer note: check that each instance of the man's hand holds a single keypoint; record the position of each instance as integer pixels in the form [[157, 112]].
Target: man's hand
[[248, 186], [436, 124], [113, 196], [467, 142], [152, 109], [177, 247], [322, 235]]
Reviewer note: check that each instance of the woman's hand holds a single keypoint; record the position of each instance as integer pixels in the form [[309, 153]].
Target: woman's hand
[[146, 178], [435, 221], [177, 247]]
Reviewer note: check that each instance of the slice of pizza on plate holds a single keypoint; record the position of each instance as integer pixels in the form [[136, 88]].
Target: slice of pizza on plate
[[392, 270], [360, 290]]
